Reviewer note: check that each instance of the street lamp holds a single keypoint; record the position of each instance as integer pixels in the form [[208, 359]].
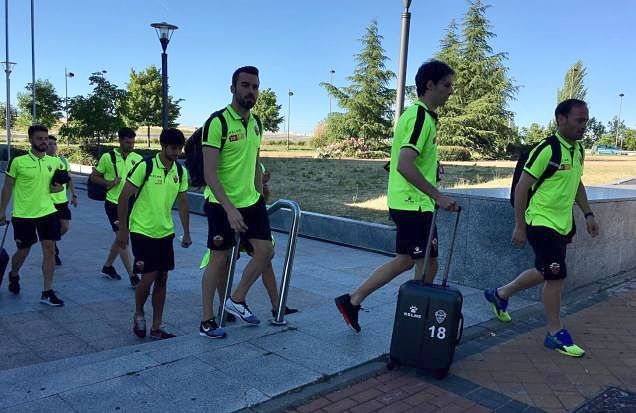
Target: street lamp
[[67, 75], [404, 51], [8, 67], [618, 124], [289, 95], [164, 33], [33, 61], [331, 72]]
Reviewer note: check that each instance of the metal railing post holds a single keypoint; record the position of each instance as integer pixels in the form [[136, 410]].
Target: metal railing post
[[230, 277], [289, 256]]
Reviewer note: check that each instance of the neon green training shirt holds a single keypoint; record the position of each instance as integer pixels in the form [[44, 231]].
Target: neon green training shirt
[[415, 129], [61, 197], [152, 212], [124, 166], [551, 206], [32, 186], [237, 156]]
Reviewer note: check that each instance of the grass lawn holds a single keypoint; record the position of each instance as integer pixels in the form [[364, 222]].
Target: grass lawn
[[357, 188]]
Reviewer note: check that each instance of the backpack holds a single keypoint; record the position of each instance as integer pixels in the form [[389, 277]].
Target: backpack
[[194, 148], [553, 164], [149, 166], [95, 191]]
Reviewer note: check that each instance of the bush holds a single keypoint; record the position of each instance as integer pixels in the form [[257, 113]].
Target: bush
[[80, 155], [350, 148], [453, 153]]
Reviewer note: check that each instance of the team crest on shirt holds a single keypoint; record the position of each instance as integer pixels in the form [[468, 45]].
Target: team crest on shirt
[[234, 138], [175, 179], [134, 162], [49, 168]]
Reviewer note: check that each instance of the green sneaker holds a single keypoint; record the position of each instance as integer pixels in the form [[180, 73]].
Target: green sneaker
[[563, 343], [499, 305]]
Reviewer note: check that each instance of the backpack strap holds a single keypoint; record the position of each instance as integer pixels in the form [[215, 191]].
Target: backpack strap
[[553, 164], [149, 165], [179, 170], [259, 123], [113, 159], [581, 152]]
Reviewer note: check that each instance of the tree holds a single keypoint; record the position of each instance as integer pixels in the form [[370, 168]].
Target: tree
[[368, 100], [267, 109], [476, 116], [535, 133], [573, 83], [13, 115], [144, 103], [595, 129], [100, 115], [47, 103]]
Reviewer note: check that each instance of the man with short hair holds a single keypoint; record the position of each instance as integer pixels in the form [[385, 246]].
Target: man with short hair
[[231, 140], [544, 217], [157, 183], [111, 172], [60, 199], [412, 193], [29, 178]]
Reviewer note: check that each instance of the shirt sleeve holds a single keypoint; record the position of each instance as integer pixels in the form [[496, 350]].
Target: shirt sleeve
[[538, 163], [183, 185], [417, 131], [137, 175], [211, 133], [104, 162], [12, 170]]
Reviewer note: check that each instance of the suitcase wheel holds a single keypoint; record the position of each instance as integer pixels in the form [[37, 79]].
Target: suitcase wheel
[[440, 373]]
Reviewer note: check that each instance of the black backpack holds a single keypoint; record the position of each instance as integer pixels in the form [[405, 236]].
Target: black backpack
[[553, 164], [149, 166], [95, 191], [194, 148]]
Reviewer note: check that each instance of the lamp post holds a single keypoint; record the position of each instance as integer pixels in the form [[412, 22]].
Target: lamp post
[[289, 95], [8, 67], [164, 33], [33, 61], [618, 124], [67, 75], [404, 51], [331, 72]]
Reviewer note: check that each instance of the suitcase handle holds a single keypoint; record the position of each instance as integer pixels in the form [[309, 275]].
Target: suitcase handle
[[427, 255], [460, 329]]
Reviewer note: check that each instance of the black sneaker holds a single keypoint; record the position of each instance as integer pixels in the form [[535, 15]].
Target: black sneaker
[[49, 298], [134, 280], [211, 329], [287, 311], [348, 311], [109, 272], [14, 284]]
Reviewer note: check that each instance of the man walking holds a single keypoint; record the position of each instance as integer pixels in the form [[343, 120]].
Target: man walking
[[412, 193], [60, 199], [231, 140], [545, 220], [157, 182], [111, 172], [29, 179]]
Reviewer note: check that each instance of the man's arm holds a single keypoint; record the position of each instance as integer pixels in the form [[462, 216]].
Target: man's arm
[[7, 190], [258, 174], [406, 167], [521, 204], [98, 178], [184, 216], [582, 202], [122, 214], [210, 166]]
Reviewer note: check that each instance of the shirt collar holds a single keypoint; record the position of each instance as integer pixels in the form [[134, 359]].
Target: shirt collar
[[160, 164], [34, 156], [432, 113], [563, 141], [235, 115]]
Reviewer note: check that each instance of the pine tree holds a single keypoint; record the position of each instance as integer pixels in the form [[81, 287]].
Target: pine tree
[[573, 83], [368, 100]]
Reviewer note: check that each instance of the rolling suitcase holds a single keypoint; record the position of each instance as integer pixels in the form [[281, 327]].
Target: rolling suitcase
[[428, 320], [4, 256]]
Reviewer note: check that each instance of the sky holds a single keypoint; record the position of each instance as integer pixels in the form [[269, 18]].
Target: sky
[[296, 43]]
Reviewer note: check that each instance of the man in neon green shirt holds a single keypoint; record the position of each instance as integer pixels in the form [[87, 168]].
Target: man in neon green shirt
[[231, 140], [29, 178], [60, 199], [112, 175], [546, 221], [412, 192], [157, 183]]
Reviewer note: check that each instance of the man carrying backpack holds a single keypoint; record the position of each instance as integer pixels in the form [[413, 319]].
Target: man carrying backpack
[[543, 216], [157, 181], [231, 140], [111, 172]]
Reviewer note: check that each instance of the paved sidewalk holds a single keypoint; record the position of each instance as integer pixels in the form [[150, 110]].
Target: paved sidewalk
[[507, 369], [84, 357]]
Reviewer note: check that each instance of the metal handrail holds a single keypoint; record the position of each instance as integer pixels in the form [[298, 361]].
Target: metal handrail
[[279, 319]]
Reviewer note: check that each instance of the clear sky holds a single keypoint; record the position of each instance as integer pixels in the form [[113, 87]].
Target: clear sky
[[295, 43]]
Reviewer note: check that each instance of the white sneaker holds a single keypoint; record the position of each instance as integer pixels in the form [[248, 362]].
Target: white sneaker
[[242, 311]]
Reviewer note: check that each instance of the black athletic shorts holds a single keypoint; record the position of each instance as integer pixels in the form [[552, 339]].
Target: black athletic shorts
[[412, 233], [63, 211], [27, 231], [549, 250], [221, 235], [111, 213], [152, 254]]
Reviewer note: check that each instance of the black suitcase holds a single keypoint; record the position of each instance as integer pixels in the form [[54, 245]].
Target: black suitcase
[[428, 320], [4, 256]]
